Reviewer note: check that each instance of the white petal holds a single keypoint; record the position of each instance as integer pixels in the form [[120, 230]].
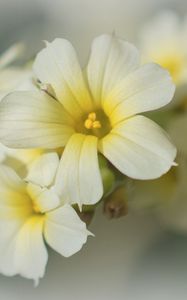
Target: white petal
[[78, 178], [21, 159], [3, 94], [14, 201], [43, 170], [33, 120], [12, 78], [11, 54], [9, 229], [161, 35], [44, 199], [139, 148], [110, 61], [145, 89], [22, 250], [30, 257], [58, 65], [3, 152], [64, 231], [28, 83]]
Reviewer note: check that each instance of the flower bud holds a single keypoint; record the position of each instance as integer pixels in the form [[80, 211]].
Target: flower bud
[[107, 175], [115, 205]]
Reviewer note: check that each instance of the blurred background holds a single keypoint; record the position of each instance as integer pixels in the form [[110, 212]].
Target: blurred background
[[78, 20], [136, 256]]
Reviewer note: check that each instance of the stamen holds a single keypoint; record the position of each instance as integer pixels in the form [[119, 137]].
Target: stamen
[[92, 116], [96, 124], [91, 122], [88, 123]]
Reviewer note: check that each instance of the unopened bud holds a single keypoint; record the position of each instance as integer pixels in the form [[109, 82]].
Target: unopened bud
[[108, 179], [115, 205], [107, 175]]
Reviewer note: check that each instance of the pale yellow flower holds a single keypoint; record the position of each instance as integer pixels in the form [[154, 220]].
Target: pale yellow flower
[[31, 212], [13, 77], [164, 41], [20, 159], [91, 112]]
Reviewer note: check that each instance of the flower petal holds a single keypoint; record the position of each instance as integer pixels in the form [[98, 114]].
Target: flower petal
[[30, 256], [163, 40], [14, 201], [11, 79], [20, 160], [78, 179], [139, 148], [44, 199], [11, 54], [58, 65], [9, 229], [111, 60], [42, 171], [33, 120], [64, 231], [162, 36], [145, 89], [3, 153], [22, 250]]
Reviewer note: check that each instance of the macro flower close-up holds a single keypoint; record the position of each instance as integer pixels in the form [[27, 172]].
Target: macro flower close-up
[[93, 149], [96, 113]]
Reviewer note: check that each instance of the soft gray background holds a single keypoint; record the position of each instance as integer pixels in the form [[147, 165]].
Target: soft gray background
[[131, 258]]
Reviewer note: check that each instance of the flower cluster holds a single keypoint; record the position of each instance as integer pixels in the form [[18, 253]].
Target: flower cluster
[[71, 137]]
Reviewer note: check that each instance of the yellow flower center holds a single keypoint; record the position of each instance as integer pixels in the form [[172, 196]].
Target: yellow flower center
[[91, 122], [94, 123], [174, 63], [174, 66], [36, 208]]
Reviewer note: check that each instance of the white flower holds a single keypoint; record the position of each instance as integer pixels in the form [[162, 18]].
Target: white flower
[[20, 160], [11, 54], [13, 77], [163, 40], [31, 212], [98, 113]]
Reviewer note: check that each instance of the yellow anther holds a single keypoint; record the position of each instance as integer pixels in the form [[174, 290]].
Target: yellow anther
[[88, 123], [96, 124], [91, 122], [92, 116]]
